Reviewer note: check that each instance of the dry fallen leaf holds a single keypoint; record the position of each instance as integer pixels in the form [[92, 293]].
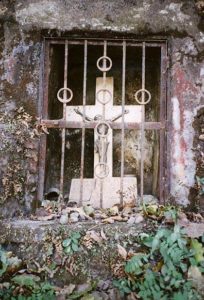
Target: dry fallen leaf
[[66, 290], [95, 236], [119, 218], [80, 211], [122, 252], [46, 218], [131, 203], [103, 235], [103, 216], [195, 217], [108, 220], [197, 279], [182, 218]]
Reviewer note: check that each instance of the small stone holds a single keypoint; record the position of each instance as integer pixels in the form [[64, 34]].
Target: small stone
[[197, 279], [103, 285], [182, 218], [114, 211], [71, 204], [74, 217], [138, 218], [149, 199], [63, 219], [83, 287], [82, 217], [100, 295], [97, 295], [114, 294], [201, 137], [89, 210], [98, 216], [131, 220], [41, 212], [127, 211]]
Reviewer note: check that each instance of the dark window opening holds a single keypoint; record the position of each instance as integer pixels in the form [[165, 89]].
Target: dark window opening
[[143, 66]]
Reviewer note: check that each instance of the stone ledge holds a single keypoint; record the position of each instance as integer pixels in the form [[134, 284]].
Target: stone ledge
[[29, 231], [37, 241]]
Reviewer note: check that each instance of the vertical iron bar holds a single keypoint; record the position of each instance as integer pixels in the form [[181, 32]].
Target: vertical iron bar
[[123, 120], [83, 126], [163, 152], [104, 74], [64, 118], [142, 125], [44, 115]]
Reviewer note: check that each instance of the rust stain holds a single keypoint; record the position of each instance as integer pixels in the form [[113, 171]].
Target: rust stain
[[182, 88]]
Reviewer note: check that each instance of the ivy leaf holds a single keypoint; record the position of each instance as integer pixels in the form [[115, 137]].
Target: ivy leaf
[[68, 250], [66, 242], [26, 280], [75, 247], [76, 235], [198, 250], [179, 296]]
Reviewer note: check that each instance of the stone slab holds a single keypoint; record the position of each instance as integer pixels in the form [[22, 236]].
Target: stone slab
[[110, 187]]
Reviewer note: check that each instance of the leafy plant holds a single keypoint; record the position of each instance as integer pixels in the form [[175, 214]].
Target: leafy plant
[[135, 264], [198, 250], [157, 212], [28, 290], [200, 183], [71, 244], [161, 272], [124, 286]]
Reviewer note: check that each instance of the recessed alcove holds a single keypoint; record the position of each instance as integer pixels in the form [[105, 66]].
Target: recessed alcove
[[132, 137]]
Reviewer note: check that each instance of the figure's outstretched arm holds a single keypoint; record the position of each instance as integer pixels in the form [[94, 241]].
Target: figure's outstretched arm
[[77, 111], [119, 116]]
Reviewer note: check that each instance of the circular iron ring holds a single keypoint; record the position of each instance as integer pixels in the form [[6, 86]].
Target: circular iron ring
[[104, 91], [98, 175], [104, 69], [101, 123], [65, 100], [143, 91]]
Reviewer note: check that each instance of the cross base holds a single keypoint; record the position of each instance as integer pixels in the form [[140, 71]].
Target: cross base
[[111, 188]]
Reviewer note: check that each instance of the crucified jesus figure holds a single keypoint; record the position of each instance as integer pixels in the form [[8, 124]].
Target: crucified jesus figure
[[102, 143]]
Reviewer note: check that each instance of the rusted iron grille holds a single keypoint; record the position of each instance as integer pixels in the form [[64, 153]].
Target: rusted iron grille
[[142, 97]]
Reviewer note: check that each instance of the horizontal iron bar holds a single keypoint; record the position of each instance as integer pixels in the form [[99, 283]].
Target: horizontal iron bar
[[128, 125], [98, 43]]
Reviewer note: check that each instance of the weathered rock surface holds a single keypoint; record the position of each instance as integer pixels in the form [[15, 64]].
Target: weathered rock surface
[[36, 241]]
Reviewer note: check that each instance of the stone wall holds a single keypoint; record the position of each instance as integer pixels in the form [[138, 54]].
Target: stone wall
[[24, 24]]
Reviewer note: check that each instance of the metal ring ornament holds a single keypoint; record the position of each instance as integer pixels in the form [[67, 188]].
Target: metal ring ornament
[[99, 175], [104, 69], [103, 91], [143, 91], [101, 123], [62, 100]]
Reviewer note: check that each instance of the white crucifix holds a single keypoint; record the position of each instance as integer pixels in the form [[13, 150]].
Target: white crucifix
[[111, 185]]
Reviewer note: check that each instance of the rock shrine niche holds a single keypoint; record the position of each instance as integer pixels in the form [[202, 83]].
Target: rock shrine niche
[[104, 105]]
